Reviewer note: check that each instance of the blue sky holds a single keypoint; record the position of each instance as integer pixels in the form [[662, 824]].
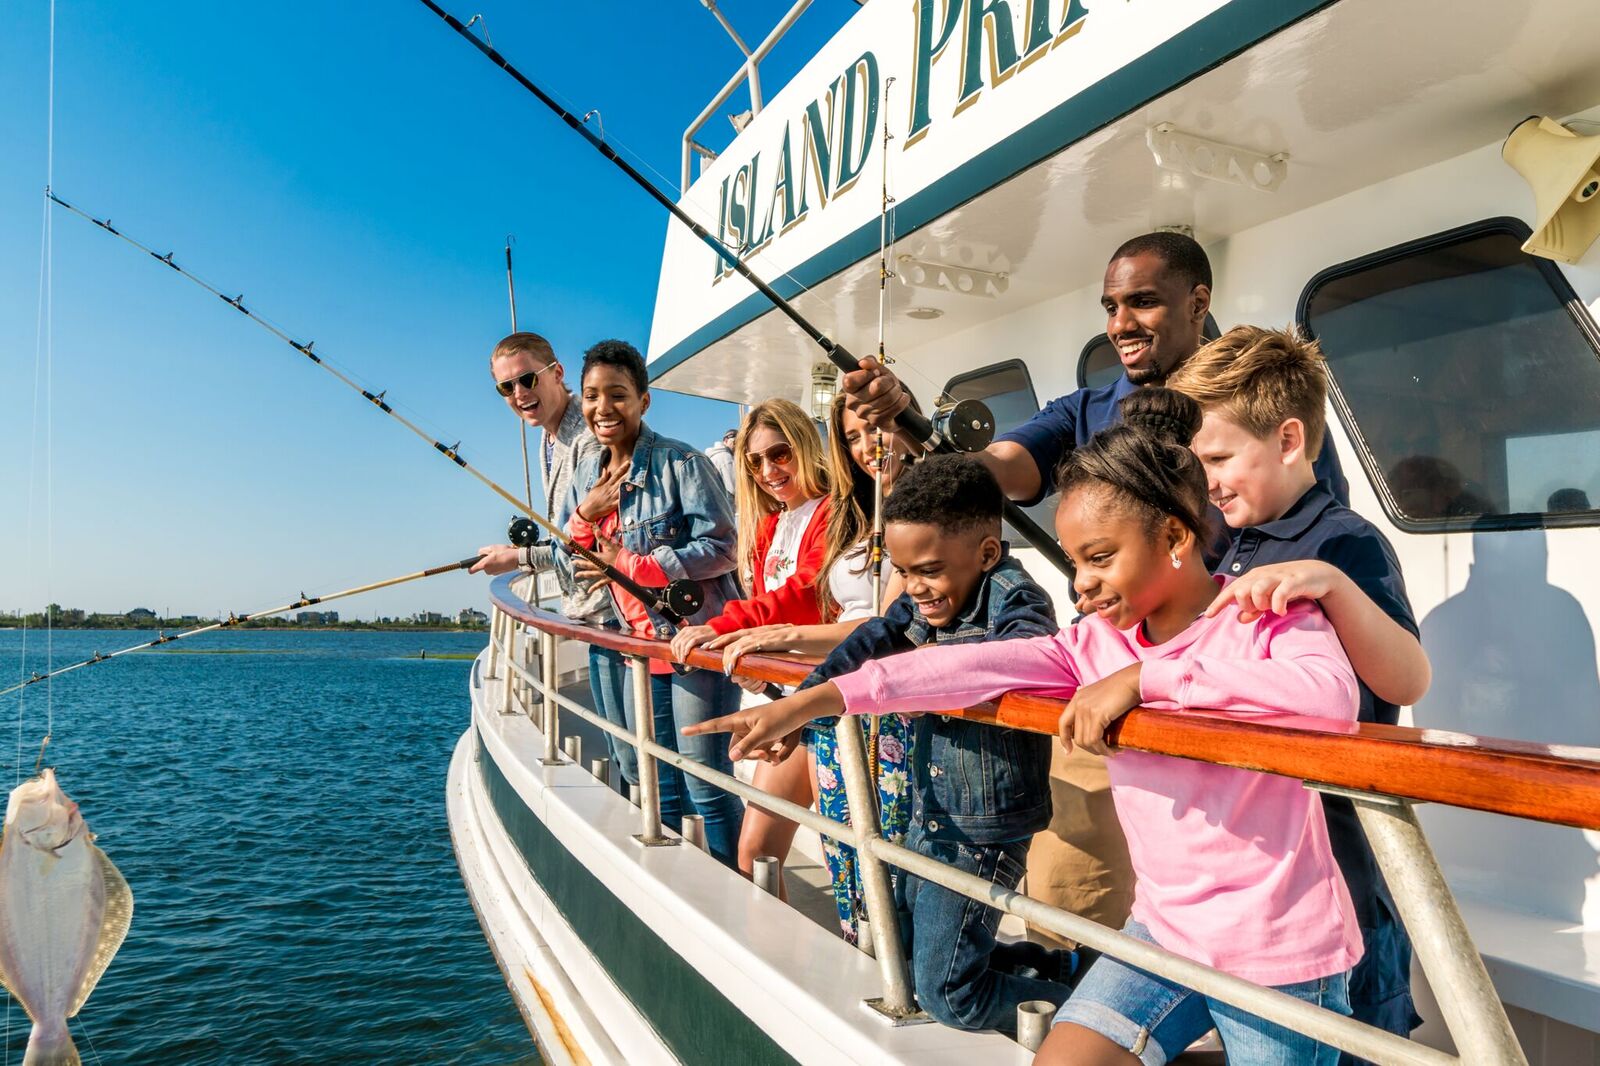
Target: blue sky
[[353, 170]]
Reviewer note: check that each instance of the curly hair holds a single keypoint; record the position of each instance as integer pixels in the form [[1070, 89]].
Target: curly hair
[[1146, 462], [623, 356], [953, 493]]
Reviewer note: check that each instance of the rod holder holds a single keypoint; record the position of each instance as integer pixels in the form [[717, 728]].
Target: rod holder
[[765, 873], [864, 936], [1033, 1022], [601, 769], [573, 746], [694, 831], [633, 794]]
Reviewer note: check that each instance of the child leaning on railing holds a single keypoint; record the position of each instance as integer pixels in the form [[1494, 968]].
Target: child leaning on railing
[[979, 794], [1233, 867]]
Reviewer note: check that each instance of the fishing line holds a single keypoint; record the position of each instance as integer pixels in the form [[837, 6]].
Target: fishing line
[[43, 371], [674, 602], [239, 619], [953, 423], [511, 289]]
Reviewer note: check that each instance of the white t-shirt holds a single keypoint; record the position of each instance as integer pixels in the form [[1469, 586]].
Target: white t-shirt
[[850, 585], [783, 555]]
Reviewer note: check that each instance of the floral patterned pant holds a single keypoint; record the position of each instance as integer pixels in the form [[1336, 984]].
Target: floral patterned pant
[[894, 804]]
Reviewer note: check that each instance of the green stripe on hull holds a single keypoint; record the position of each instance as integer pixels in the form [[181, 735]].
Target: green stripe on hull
[[691, 1017]]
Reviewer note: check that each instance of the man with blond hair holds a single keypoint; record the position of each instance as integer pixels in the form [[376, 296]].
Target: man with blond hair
[[533, 383]]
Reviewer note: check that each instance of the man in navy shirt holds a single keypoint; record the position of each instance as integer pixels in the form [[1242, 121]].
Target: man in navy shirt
[[1156, 295]]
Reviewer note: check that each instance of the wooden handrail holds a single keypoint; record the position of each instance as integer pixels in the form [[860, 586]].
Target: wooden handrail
[[1546, 783]]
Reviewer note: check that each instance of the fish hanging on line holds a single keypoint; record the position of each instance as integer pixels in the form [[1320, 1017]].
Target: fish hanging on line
[[64, 910]]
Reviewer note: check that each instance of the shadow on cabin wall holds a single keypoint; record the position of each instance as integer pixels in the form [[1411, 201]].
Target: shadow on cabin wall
[[1514, 656]]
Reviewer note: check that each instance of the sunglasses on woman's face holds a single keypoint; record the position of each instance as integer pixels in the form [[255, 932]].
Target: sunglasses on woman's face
[[508, 386], [777, 455]]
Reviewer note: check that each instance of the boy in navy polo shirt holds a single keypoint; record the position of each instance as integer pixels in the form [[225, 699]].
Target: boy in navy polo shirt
[[1264, 394]]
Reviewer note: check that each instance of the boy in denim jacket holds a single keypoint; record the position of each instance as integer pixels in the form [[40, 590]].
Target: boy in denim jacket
[[980, 791]]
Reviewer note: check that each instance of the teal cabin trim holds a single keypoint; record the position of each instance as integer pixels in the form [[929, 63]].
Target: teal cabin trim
[[1208, 43]]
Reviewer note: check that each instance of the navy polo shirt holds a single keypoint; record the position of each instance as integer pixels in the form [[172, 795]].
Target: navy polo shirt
[[1319, 527], [1068, 422]]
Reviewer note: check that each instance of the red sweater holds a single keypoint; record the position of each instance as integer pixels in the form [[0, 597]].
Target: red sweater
[[795, 601]]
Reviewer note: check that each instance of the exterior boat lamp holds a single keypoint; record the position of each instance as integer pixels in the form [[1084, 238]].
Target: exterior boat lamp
[[1563, 169], [824, 387]]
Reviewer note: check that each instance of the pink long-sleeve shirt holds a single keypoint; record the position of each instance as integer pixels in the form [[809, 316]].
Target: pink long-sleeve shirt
[[1233, 866]]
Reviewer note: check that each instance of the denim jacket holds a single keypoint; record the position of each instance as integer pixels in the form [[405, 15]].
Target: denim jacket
[[672, 508], [977, 784]]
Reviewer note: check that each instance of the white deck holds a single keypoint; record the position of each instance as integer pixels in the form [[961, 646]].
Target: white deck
[[799, 982]]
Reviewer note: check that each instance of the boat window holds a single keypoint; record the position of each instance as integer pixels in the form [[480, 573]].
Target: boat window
[[1007, 388], [1098, 363], [1468, 376]]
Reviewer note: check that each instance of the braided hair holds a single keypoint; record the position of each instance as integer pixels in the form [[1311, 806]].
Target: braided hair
[[1146, 461]]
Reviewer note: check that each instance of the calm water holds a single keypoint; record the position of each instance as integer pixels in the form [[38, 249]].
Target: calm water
[[279, 815]]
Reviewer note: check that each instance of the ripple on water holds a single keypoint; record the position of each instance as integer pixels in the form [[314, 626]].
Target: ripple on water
[[280, 818]]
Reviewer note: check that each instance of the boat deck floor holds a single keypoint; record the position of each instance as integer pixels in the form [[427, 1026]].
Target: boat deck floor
[[806, 878]]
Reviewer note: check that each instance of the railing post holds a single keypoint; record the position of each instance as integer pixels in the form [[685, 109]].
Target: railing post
[[1472, 1009], [497, 620], [509, 674], [551, 718], [897, 1001], [644, 718], [531, 649]]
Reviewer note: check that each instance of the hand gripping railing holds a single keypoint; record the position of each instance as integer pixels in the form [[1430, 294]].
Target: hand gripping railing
[[1382, 769]]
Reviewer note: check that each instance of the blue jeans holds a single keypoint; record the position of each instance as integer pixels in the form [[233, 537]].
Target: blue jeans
[[685, 699], [608, 685], [1156, 1019], [1380, 985], [955, 968]]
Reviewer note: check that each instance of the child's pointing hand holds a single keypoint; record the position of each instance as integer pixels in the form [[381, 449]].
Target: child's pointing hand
[[1270, 589], [757, 731]]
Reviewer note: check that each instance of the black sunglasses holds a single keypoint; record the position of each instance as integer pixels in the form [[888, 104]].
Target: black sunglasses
[[508, 386]]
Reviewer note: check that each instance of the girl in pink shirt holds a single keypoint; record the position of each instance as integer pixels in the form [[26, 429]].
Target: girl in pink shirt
[[1233, 867]]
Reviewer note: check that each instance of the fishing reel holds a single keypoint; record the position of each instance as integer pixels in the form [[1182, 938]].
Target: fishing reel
[[965, 425], [681, 598], [523, 533]]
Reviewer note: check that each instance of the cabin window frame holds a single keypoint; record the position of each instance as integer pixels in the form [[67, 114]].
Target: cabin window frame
[[1097, 341], [1042, 512], [1559, 285], [969, 376]]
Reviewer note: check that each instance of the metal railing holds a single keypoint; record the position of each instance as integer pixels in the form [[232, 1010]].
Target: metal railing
[[749, 71], [1508, 777]]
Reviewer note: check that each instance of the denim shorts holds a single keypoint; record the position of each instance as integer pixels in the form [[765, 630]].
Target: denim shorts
[[1156, 1019]]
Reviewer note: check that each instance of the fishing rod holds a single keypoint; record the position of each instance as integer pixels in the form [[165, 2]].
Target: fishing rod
[[964, 425], [511, 290], [674, 602], [875, 556], [239, 619]]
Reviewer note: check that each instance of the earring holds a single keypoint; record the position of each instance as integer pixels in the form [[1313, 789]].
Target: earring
[[1176, 563]]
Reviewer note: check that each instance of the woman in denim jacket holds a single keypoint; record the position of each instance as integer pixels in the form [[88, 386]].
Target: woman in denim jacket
[[655, 509]]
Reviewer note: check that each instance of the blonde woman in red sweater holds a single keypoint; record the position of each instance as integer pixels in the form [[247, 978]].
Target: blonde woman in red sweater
[[781, 497]]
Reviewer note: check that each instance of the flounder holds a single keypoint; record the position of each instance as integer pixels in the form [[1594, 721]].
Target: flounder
[[64, 911]]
